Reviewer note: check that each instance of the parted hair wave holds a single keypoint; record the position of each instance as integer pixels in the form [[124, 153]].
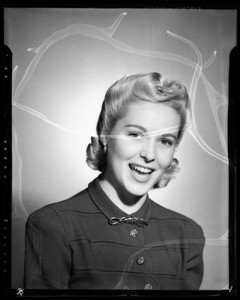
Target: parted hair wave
[[151, 87]]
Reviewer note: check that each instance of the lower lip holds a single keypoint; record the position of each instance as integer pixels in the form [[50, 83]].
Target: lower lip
[[140, 177]]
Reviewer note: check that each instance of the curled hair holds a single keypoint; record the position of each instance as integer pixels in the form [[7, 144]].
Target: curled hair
[[96, 156], [150, 87], [168, 174]]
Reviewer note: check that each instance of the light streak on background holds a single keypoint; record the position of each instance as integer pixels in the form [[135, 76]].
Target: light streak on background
[[197, 71], [104, 34]]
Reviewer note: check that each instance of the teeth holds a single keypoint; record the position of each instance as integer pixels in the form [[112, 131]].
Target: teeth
[[141, 169]]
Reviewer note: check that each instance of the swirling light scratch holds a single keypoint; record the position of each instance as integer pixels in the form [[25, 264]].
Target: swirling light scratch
[[106, 34]]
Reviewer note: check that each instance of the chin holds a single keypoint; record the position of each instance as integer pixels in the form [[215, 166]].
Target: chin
[[141, 188], [138, 189]]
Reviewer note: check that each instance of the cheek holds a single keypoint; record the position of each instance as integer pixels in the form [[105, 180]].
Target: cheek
[[122, 149], [164, 158]]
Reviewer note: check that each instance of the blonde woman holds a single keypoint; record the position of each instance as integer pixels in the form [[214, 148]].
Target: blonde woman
[[112, 235]]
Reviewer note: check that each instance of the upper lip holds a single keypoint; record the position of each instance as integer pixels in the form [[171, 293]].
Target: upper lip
[[141, 166]]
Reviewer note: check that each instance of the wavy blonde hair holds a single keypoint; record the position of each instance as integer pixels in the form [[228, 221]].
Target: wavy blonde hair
[[151, 87]]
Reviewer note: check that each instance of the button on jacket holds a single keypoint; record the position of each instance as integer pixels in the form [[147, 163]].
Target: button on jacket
[[72, 245]]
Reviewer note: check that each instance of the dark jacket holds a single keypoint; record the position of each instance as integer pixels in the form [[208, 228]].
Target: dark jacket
[[71, 245]]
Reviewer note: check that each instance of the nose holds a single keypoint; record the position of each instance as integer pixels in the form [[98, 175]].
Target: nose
[[147, 152]]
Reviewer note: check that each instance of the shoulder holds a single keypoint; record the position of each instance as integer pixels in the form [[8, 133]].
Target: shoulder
[[54, 212], [158, 212]]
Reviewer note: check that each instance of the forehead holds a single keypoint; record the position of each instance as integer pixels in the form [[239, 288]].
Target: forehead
[[152, 116]]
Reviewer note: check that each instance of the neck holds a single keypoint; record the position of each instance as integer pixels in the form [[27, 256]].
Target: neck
[[125, 201]]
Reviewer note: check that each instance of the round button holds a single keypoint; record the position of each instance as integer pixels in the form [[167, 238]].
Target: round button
[[133, 233], [140, 260], [148, 286]]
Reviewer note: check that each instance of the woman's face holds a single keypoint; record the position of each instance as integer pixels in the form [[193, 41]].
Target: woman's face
[[141, 147]]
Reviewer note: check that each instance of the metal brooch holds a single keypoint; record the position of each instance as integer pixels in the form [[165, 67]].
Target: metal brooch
[[129, 220]]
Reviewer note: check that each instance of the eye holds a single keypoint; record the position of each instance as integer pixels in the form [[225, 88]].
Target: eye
[[135, 134], [166, 142]]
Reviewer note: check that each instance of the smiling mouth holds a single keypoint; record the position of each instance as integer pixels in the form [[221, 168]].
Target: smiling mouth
[[140, 170]]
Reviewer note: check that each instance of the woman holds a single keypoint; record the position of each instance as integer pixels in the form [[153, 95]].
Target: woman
[[112, 235]]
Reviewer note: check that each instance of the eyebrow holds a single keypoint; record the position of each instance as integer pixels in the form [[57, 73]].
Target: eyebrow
[[138, 126], [155, 132], [169, 135]]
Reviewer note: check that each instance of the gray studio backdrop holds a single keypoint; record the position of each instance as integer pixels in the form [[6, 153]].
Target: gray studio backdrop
[[63, 62]]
